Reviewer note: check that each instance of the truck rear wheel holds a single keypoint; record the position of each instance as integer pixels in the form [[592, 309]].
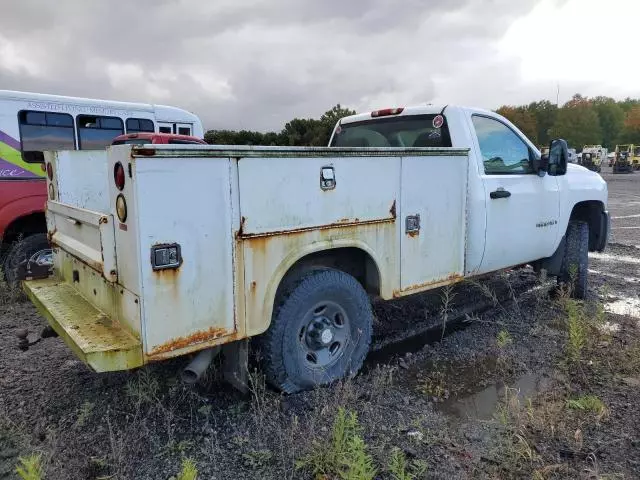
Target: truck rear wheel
[[28, 258], [575, 264], [320, 332]]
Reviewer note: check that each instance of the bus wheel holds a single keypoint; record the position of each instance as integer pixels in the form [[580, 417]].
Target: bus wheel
[[30, 257], [320, 332]]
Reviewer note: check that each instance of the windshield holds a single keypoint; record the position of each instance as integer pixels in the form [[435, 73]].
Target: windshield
[[623, 148], [408, 131], [636, 152], [132, 141]]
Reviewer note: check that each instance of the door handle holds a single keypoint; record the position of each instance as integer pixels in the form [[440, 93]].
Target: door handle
[[500, 193]]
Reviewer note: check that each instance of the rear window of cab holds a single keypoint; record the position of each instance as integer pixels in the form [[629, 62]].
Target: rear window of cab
[[404, 131]]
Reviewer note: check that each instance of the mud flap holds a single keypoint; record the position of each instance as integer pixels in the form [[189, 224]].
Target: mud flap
[[235, 369]]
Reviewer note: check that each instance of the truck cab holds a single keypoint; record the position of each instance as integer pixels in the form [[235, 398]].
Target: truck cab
[[287, 245]]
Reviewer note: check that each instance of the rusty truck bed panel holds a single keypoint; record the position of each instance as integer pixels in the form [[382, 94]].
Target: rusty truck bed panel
[[285, 194], [94, 337]]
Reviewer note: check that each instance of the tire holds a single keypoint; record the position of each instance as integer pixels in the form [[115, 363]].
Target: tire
[[320, 332], [575, 263], [24, 257]]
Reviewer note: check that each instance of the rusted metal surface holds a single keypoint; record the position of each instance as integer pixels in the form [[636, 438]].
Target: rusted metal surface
[[453, 278], [92, 335], [295, 201], [85, 234], [267, 258], [117, 302], [197, 337], [191, 307], [339, 224]]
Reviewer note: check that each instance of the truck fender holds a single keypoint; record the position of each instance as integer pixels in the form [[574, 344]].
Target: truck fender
[[294, 257], [19, 208]]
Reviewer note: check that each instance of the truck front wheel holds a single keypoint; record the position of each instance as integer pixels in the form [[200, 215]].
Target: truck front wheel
[[320, 332], [575, 263], [28, 258]]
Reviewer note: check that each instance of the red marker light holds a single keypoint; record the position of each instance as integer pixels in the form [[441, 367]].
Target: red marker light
[[118, 175], [385, 112]]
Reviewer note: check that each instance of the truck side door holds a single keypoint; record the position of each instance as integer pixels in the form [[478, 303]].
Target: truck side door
[[522, 208]]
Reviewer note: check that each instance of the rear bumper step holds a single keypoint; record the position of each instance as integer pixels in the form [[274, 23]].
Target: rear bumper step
[[102, 344]]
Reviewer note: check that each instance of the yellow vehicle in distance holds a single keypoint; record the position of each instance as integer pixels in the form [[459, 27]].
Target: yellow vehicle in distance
[[627, 158], [593, 156]]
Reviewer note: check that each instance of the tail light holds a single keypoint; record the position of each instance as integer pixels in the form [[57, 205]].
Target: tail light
[[50, 171], [385, 112], [118, 175], [121, 208]]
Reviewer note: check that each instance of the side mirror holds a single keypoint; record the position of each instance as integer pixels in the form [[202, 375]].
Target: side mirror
[[558, 157]]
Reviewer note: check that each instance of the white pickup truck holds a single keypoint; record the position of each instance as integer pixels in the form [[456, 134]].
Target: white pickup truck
[[165, 250]]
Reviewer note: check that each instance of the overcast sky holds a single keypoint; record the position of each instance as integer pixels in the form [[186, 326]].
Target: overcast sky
[[255, 64]]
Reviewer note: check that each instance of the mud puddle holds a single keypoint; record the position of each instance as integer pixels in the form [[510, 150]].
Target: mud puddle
[[473, 391], [483, 404]]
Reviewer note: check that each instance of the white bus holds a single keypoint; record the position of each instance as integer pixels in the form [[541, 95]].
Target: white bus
[[31, 123]]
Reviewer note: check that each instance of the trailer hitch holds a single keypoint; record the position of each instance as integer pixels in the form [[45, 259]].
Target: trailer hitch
[[23, 337]]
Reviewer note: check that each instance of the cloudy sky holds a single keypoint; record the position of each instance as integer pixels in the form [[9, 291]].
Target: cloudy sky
[[255, 64]]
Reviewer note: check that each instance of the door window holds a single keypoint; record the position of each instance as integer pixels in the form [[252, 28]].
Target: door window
[[503, 151]]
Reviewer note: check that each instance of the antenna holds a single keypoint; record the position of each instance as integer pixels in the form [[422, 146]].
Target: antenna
[[558, 94]]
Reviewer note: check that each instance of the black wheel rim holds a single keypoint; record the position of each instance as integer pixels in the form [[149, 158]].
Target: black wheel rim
[[40, 263], [324, 335]]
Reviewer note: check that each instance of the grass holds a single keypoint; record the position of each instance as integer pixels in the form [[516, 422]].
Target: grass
[[188, 471], [30, 468], [400, 469], [8, 295], [503, 339], [345, 456], [143, 388], [588, 403]]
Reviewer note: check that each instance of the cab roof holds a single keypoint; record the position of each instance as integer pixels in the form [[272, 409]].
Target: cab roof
[[425, 109]]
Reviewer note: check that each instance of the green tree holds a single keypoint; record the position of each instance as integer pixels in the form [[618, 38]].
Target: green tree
[[297, 132], [631, 131], [628, 103], [577, 122], [328, 121], [545, 114], [521, 118], [611, 117]]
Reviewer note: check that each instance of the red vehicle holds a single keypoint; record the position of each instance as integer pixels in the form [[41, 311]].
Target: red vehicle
[[157, 138], [24, 248]]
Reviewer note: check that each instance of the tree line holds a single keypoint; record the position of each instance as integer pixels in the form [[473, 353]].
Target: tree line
[[298, 132], [581, 121]]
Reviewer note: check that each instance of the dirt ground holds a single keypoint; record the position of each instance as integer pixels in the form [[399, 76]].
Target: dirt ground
[[507, 378]]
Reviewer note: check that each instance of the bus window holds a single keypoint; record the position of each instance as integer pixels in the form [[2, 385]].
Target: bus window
[[40, 131], [184, 130], [95, 133], [165, 129], [136, 125]]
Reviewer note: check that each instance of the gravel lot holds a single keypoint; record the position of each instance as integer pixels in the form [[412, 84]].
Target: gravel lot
[[530, 385]]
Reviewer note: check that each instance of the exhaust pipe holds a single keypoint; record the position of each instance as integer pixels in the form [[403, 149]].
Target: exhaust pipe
[[192, 373]]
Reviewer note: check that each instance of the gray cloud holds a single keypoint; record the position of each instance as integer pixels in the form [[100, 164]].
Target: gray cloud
[[258, 63]]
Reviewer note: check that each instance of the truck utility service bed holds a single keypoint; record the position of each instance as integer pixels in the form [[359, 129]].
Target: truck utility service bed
[[190, 251]]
